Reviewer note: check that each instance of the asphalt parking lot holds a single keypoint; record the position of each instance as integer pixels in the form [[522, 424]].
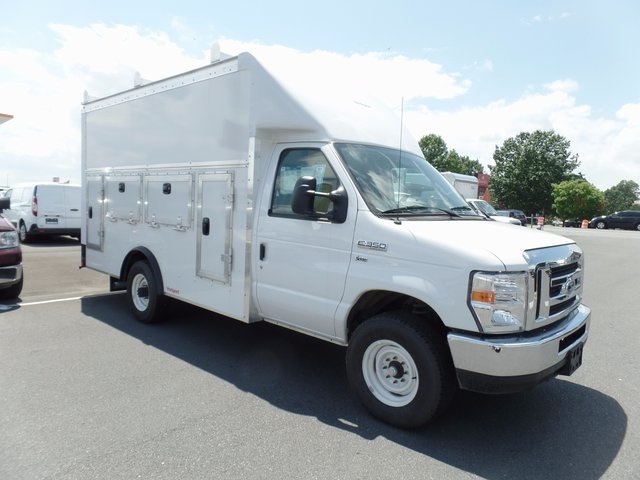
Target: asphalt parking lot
[[88, 393]]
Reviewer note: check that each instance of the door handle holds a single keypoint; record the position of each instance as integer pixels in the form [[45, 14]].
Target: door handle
[[263, 251], [205, 226]]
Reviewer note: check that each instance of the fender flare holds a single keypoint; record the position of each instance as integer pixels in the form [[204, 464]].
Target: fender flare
[[143, 253]]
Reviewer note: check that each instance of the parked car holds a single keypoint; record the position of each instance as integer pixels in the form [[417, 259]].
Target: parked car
[[483, 207], [517, 214], [10, 257], [627, 219], [44, 209], [571, 223]]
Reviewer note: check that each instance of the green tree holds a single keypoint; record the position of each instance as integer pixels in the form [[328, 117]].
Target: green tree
[[433, 148], [526, 167], [437, 153], [577, 199], [622, 196]]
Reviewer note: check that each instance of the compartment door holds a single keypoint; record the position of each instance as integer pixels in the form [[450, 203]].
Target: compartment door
[[94, 214], [214, 223]]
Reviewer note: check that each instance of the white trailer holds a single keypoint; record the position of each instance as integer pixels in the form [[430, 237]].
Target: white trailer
[[233, 188]]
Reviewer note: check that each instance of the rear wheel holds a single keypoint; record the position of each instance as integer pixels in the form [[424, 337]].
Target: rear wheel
[[145, 302], [400, 369], [23, 235]]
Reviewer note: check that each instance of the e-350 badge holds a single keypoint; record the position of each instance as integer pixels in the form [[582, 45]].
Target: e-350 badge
[[373, 245]]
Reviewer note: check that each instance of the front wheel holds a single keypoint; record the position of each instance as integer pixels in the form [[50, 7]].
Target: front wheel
[[400, 369], [145, 302], [600, 225]]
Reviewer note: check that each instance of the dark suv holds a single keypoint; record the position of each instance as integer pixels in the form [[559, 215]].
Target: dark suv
[[628, 219], [10, 257]]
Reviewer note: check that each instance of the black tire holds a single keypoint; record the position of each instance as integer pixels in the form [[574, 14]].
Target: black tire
[[401, 370], [600, 225], [23, 235], [144, 301], [12, 292]]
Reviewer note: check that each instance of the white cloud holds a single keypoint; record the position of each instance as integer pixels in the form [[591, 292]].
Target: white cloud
[[387, 76], [607, 148], [43, 91]]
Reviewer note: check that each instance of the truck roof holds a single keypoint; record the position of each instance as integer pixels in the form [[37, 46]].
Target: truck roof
[[315, 105]]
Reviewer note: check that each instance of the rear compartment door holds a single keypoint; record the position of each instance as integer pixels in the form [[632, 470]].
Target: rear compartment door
[[94, 215]]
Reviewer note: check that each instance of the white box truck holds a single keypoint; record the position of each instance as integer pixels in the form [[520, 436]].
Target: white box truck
[[465, 185], [235, 189]]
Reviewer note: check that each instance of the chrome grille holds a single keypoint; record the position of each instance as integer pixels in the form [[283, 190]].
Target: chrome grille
[[556, 289]]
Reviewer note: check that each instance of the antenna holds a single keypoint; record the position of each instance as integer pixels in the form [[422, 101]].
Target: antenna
[[399, 175]]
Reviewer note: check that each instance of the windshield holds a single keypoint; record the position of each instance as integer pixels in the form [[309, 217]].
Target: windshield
[[484, 207], [394, 182]]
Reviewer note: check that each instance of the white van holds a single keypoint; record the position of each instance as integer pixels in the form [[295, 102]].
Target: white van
[[44, 209]]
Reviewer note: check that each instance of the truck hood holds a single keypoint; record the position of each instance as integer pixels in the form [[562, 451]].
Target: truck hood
[[487, 240]]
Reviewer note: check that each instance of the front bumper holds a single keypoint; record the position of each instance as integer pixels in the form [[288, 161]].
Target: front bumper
[[514, 363], [10, 275]]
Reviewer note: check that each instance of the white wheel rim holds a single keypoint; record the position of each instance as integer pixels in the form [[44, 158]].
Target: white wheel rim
[[139, 301], [390, 373]]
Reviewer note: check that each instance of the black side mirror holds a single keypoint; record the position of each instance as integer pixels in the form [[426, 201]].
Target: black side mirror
[[5, 203], [303, 199], [340, 204], [303, 195]]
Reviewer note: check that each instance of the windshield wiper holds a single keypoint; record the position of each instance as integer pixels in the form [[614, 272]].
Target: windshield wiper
[[420, 209]]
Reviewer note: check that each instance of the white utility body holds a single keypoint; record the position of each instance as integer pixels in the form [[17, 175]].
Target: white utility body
[[260, 197]]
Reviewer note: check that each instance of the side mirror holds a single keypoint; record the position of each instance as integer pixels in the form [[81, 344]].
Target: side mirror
[[340, 205], [303, 199], [303, 195], [5, 203]]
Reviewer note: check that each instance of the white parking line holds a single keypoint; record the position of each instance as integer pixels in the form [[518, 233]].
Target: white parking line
[[57, 300]]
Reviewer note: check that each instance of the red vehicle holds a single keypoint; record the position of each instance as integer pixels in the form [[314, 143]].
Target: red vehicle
[[10, 258]]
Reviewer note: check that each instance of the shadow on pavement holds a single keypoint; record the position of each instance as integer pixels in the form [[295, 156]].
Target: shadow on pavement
[[43, 241], [558, 430]]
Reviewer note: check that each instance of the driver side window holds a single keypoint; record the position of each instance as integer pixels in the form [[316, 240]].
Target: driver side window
[[299, 162]]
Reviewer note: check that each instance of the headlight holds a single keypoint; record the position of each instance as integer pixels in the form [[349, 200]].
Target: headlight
[[8, 239], [499, 300]]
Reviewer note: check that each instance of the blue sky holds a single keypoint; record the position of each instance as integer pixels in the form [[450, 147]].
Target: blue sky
[[474, 72]]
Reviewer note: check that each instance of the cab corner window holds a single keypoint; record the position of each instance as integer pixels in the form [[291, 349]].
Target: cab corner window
[[294, 164]]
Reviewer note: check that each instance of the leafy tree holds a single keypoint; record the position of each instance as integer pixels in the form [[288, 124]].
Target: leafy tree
[[436, 152], [577, 199], [622, 196], [526, 167], [433, 148]]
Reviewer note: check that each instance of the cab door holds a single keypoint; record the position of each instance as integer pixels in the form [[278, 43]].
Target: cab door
[[303, 258]]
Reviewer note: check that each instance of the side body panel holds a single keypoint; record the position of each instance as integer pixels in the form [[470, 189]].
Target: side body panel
[[160, 165]]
